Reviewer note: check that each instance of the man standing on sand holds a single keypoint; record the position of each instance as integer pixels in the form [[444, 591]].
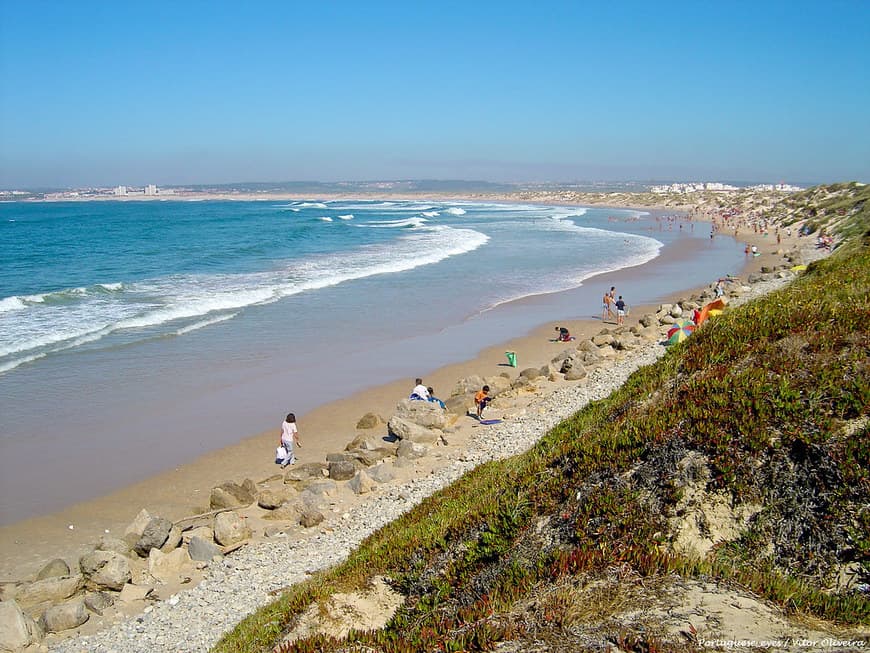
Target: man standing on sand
[[607, 309]]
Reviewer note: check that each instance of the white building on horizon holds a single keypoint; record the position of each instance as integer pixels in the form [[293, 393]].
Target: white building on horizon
[[151, 189], [121, 191]]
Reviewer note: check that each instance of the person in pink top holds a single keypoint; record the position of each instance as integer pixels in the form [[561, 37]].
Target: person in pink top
[[289, 439]]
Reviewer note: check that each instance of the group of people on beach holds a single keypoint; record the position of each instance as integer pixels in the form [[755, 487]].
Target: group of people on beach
[[426, 393], [613, 305]]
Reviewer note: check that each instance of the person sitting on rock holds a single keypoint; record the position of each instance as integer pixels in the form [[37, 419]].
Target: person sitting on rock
[[481, 400], [420, 391], [433, 398]]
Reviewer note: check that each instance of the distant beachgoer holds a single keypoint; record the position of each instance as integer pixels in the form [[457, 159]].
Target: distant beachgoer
[[609, 298], [720, 288], [433, 398], [481, 400], [289, 439], [620, 310], [420, 391], [754, 250], [564, 334]]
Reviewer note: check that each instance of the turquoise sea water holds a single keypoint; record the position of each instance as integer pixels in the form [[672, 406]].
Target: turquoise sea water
[[183, 325]]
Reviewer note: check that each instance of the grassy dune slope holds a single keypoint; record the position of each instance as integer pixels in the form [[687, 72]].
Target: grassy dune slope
[[741, 459]]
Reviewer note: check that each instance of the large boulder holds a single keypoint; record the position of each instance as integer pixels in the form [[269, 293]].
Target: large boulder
[[232, 495], [106, 570], [404, 429], [373, 457], [57, 568], [424, 413], [17, 630], [166, 567], [575, 373], [410, 450], [460, 404], [272, 498], [310, 518], [230, 528], [469, 384], [64, 616], [99, 602], [173, 540], [202, 549], [154, 536], [341, 470], [382, 473], [530, 373], [48, 590]]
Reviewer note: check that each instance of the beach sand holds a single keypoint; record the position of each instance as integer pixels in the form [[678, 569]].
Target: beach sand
[[28, 545]]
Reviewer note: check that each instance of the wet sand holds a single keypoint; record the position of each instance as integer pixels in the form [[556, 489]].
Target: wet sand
[[182, 491]]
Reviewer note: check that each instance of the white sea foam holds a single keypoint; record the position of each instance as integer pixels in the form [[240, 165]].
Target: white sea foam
[[204, 323], [430, 214], [349, 216], [392, 224], [455, 211], [311, 205], [11, 304], [325, 218]]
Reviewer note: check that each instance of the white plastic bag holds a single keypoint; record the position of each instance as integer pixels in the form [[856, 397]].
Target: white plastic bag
[[280, 454]]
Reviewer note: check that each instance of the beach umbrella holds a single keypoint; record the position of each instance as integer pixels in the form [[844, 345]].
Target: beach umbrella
[[683, 322], [679, 333]]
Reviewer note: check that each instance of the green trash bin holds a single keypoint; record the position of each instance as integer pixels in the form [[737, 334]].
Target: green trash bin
[[512, 358]]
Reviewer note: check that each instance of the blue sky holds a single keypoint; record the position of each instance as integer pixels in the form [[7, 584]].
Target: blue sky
[[103, 93]]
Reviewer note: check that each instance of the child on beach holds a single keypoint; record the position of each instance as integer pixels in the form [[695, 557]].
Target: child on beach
[[564, 334], [482, 399], [620, 310], [289, 439]]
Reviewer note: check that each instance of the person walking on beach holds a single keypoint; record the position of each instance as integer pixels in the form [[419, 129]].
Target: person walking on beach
[[289, 439], [607, 309]]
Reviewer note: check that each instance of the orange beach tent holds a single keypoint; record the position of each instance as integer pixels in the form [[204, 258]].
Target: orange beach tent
[[713, 308]]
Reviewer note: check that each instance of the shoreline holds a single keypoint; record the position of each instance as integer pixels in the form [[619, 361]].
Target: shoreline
[[184, 490]]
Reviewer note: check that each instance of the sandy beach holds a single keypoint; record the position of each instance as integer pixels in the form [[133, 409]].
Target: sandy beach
[[27, 545]]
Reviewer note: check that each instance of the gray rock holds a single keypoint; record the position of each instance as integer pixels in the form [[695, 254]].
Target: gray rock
[[154, 536], [676, 311], [98, 602], [230, 528], [362, 483], [459, 404], [106, 570], [271, 498], [311, 518], [647, 320], [410, 450], [64, 616], [14, 631], [202, 549], [231, 495], [382, 473], [57, 568], [602, 339], [576, 373], [369, 421], [369, 458], [341, 470]]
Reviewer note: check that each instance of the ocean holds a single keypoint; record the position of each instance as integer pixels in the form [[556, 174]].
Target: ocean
[[136, 335]]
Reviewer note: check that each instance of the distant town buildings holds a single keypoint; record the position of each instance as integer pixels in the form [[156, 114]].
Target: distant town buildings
[[151, 189], [121, 191], [718, 187]]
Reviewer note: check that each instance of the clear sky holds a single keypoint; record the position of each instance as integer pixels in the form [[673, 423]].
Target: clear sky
[[107, 93]]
